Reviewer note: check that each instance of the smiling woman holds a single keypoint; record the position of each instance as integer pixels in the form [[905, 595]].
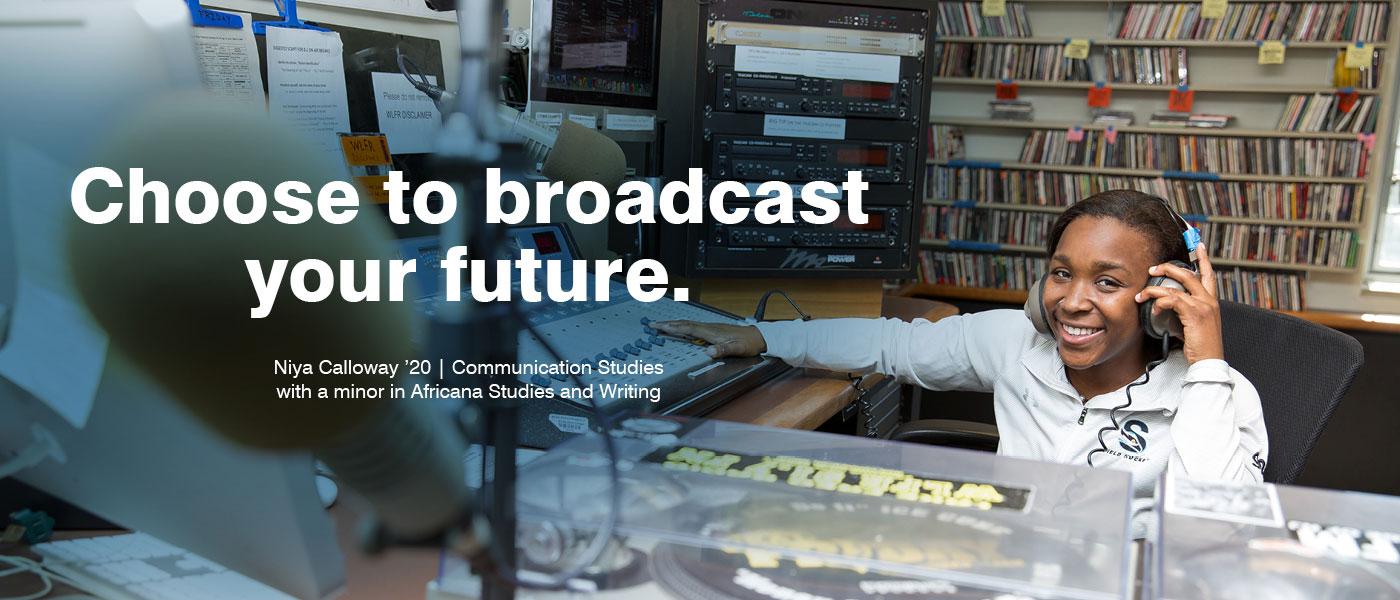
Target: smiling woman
[[1092, 370]]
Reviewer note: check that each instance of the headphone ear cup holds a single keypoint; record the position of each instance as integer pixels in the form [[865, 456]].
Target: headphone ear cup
[[1035, 307], [1167, 323]]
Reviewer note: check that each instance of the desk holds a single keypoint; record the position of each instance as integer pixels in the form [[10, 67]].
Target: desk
[[802, 398], [806, 398]]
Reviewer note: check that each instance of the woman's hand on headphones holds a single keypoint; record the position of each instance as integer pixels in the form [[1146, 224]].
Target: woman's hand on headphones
[[723, 340], [1197, 307]]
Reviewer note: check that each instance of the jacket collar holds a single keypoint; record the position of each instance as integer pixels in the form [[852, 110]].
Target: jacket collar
[[1161, 392]]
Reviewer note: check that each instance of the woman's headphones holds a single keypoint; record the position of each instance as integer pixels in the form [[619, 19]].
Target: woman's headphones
[[1156, 327]]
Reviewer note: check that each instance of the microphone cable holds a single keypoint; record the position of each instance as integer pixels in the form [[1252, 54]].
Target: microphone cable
[[1113, 412]]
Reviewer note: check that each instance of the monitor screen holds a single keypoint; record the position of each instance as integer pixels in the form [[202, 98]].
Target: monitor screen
[[597, 52]]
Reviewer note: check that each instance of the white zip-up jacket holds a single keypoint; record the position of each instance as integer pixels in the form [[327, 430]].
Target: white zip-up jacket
[[1201, 421]]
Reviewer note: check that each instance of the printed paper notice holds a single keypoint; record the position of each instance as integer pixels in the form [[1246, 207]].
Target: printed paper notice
[[589, 121], [306, 85], [409, 117], [817, 63], [617, 122], [806, 127], [228, 61], [593, 55], [1271, 52], [993, 8]]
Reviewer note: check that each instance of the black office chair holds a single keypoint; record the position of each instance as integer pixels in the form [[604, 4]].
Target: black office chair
[[1301, 370]]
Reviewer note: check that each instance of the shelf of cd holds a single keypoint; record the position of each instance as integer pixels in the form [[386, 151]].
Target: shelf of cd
[[1197, 218], [967, 39], [1038, 250], [1224, 131], [1195, 175], [1144, 87]]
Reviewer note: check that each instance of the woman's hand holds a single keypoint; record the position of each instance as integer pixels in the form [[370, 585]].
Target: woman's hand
[[1197, 307], [724, 340]]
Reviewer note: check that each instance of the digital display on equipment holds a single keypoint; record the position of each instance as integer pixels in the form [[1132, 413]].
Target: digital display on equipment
[[598, 52], [874, 221], [867, 91], [863, 156], [546, 243]]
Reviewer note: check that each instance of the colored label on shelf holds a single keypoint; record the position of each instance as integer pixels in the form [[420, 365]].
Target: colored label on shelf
[[1345, 100], [1181, 99], [1007, 90], [1077, 48], [1358, 56], [993, 8], [1271, 52], [1110, 135], [1213, 9], [1075, 134], [1100, 95]]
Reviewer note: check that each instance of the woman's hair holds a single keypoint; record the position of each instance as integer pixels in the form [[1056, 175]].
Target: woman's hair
[[1142, 212]]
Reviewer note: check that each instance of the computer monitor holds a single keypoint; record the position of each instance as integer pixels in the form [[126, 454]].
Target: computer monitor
[[139, 460], [595, 62]]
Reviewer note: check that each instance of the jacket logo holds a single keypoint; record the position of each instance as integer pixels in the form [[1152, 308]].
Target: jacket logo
[[1259, 463], [1132, 438]]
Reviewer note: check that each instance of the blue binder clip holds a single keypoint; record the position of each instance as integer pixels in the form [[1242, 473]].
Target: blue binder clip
[[204, 17], [288, 10]]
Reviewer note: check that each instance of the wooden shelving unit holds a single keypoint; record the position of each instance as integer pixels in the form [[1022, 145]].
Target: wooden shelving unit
[[1226, 80], [1020, 166], [1223, 132], [1143, 87], [1209, 218], [1250, 44], [1255, 264]]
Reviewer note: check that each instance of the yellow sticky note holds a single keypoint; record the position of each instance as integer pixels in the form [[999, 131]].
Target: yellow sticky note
[[993, 8], [1271, 52], [1358, 56], [1213, 9], [1077, 48]]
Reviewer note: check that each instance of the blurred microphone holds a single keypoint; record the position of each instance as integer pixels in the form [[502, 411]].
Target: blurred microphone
[[175, 299], [570, 154]]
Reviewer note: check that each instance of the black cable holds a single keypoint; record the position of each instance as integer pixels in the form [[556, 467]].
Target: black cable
[[1113, 412], [763, 306]]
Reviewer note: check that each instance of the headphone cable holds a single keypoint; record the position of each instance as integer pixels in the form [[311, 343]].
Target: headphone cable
[[1113, 412]]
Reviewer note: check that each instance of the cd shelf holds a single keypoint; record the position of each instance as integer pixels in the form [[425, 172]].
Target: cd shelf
[[1199, 175], [1144, 87], [1249, 44], [1224, 131], [1040, 251], [1327, 179]]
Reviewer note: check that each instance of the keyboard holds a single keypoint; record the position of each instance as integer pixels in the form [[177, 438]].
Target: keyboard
[[137, 566]]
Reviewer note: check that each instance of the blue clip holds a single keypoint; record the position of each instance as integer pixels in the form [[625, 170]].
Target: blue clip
[[1347, 90], [1360, 44], [964, 204], [966, 245], [1098, 84], [288, 10], [1180, 88], [204, 17], [974, 164], [1192, 237], [1194, 218], [1193, 175]]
